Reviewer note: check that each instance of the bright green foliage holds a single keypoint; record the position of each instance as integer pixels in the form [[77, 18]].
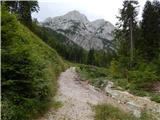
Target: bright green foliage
[[29, 71], [144, 74], [108, 112], [139, 80], [67, 49], [114, 69], [156, 98], [143, 78]]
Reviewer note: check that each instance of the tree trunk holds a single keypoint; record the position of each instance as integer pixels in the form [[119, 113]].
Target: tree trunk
[[131, 37]]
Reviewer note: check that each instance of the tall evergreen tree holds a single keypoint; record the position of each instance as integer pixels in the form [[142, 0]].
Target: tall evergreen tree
[[126, 28], [24, 10], [151, 30]]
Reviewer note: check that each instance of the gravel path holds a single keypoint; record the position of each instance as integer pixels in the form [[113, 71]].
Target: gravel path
[[77, 98]]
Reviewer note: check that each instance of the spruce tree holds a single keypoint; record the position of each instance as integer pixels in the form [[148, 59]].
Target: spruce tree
[[127, 24], [151, 30], [24, 10]]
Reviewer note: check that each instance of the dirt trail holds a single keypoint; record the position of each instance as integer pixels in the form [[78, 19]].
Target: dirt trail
[[77, 98]]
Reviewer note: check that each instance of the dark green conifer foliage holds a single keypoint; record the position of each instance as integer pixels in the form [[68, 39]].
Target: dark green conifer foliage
[[127, 27], [24, 10], [151, 30], [91, 57]]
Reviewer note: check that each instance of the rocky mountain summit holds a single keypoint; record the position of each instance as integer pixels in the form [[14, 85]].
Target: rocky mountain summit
[[89, 35]]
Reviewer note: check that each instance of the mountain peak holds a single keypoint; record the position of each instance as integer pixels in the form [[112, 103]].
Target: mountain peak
[[76, 15], [74, 12], [101, 22]]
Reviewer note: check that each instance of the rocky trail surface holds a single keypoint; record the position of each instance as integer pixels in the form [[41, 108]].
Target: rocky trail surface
[[78, 98]]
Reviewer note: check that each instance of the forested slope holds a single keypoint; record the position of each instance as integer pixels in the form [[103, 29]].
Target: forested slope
[[29, 70]]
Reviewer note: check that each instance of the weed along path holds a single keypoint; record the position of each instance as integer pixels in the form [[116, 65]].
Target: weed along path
[[77, 99]]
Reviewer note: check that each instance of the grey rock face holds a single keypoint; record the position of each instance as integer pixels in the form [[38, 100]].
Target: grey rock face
[[89, 35]]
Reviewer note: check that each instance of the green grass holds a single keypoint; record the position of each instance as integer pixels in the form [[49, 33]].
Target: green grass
[[30, 69], [98, 77], [108, 112], [94, 75], [56, 105]]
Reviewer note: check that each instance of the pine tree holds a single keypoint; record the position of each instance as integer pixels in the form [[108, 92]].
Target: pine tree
[[24, 10], [127, 27], [91, 57]]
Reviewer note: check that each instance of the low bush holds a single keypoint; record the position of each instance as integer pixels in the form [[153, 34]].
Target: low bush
[[114, 69], [92, 71], [94, 75], [108, 112]]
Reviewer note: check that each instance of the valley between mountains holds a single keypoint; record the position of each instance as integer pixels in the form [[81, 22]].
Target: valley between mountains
[[68, 67]]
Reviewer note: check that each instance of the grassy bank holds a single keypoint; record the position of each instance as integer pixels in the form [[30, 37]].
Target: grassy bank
[[108, 112], [94, 75], [99, 77]]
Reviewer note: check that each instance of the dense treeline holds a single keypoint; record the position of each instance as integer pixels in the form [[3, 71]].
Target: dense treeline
[[69, 50], [138, 48], [150, 26], [136, 39], [66, 48]]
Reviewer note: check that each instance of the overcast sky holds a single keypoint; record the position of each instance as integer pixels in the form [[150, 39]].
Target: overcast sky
[[93, 9]]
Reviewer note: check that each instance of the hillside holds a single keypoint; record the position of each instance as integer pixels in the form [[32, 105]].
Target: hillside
[[29, 71], [66, 48]]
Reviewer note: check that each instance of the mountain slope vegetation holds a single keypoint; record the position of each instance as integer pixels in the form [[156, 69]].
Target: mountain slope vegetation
[[69, 50], [29, 70], [66, 48]]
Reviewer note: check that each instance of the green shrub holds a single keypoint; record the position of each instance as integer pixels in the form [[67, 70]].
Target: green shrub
[[144, 76], [108, 112], [94, 75], [92, 71], [114, 69], [156, 98]]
